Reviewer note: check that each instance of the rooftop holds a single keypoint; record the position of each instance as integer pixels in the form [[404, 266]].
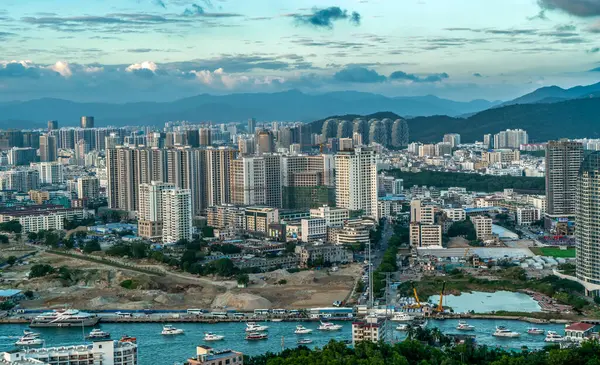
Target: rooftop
[[9, 292], [581, 327]]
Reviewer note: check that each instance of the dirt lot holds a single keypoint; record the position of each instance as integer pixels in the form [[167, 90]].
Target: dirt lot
[[98, 286]]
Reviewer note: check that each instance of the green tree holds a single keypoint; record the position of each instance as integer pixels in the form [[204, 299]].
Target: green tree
[[28, 294], [243, 279], [32, 236], [3, 238], [208, 231], [11, 260], [40, 270], [11, 226], [92, 246], [463, 228], [223, 267]]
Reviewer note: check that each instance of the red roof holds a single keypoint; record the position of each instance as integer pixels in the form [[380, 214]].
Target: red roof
[[581, 327]]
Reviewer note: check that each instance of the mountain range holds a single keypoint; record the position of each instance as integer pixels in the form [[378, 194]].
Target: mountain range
[[288, 105], [553, 94]]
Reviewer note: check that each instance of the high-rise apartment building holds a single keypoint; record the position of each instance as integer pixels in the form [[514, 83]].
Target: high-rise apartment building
[[256, 181], [265, 142], [218, 165], [165, 212], [205, 137], [307, 181], [587, 216], [453, 139], [251, 125], [21, 180], [356, 181], [87, 122], [563, 160], [88, 187], [52, 125], [487, 140], [50, 172], [510, 138]]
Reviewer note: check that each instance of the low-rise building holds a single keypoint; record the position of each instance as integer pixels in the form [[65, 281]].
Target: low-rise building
[[371, 329], [208, 356], [267, 264], [225, 216], [526, 216], [42, 217], [334, 217], [106, 352], [483, 226], [258, 219], [456, 214], [578, 332], [308, 254], [313, 229]]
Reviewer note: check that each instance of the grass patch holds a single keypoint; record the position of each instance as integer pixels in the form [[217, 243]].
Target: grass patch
[[554, 252]]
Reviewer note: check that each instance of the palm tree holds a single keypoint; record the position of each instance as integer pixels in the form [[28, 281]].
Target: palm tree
[[411, 331]]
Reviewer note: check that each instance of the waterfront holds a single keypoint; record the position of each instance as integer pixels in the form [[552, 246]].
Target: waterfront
[[482, 302], [166, 350]]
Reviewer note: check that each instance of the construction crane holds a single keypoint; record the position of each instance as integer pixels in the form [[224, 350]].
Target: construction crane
[[440, 307], [416, 295]]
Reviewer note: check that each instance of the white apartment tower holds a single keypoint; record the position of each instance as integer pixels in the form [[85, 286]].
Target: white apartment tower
[[356, 181], [50, 172], [165, 212]]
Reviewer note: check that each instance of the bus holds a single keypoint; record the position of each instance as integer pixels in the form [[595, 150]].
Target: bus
[[124, 315], [279, 311], [222, 315], [195, 311], [262, 312]]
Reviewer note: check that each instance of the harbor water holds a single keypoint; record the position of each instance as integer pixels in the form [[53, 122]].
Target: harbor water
[[481, 302], [154, 348]]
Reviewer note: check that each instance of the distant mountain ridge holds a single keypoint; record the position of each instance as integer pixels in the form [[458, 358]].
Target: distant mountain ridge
[[288, 105], [553, 94]]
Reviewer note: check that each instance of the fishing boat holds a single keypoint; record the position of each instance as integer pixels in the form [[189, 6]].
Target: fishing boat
[[255, 327], [256, 336], [209, 336], [552, 336], [402, 327], [402, 317], [328, 326], [464, 326], [535, 331], [304, 341], [301, 330], [169, 330], [502, 331], [97, 334], [29, 339]]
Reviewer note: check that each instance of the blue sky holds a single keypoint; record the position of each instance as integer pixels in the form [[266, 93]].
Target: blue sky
[[130, 50]]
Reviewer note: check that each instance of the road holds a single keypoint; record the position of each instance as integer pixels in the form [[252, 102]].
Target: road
[[377, 255]]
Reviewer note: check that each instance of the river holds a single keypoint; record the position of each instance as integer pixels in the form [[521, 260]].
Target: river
[[167, 350]]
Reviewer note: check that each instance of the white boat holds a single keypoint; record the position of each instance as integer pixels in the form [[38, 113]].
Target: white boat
[[502, 331], [535, 331], [64, 318], [304, 341], [97, 334], [301, 330], [402, 317], [255, 327], [256, 336], [169, 330], [30, 339], [552, 336], [464, 326], [328, 326], [402, 327], [419, 323], [277, 320], [209, 336]]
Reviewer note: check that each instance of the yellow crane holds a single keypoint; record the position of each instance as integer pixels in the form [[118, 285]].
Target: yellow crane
[[416, 295], [440, 307]]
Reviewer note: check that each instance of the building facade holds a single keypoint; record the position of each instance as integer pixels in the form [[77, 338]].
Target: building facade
[[356, 181]]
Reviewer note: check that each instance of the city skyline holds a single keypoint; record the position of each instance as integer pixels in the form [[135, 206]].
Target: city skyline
[[166, 49]]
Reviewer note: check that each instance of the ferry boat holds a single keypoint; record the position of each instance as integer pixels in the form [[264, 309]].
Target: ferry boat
[[402, 327], [209, 336], [502, 331], [301, 330], [29, 339], [255, 327], [464, 326], [169, 330], [553, 337], [97, 334], [304, 341], [402, 317], [535, 331], [64, 318], [255, 336], [328, 326]]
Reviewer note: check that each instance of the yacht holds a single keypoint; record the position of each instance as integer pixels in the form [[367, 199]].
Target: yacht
[[301, 330], [553, 337], [402, 327], [535, 331], [65, 318], [255, 336], [464, 326], [402, 317], [29, 339], [328, 326], [209, 336], [304, 341], [255, 327], [97, 334], [502, 331], [169, 330], [419, 323]]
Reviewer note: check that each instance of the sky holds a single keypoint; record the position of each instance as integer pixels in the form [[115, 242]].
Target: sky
[[160, 50]]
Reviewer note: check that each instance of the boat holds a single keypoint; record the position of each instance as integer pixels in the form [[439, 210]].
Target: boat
[[402, 327], [535, 331], [464, 326], [277, 320], [419, 323], [29, 339], [402, 317], [328, 326], [65, 318], [553, 337], [169, 330], [128, 339], [209, 336], [304, 341], [97, 334], [255, 336], [502, 331], [30, 333], [255, 327], [301, 330]]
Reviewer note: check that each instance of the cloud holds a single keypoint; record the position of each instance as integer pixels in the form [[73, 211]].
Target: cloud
[[18, 69], [593, 50], [400, 75], [199, 11], [62, 68], [597, 69], [160, 3], [477, 74], [580, 8], [325, 17], [358, 75]]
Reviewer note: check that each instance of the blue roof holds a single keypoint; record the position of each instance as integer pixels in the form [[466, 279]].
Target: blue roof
[[9, 292], [393, 198]]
